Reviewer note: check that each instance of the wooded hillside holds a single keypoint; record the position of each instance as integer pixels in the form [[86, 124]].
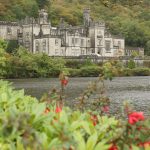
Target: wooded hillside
[[130, 18]]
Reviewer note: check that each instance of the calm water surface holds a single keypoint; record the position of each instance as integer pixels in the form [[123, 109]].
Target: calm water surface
[[134, 89]]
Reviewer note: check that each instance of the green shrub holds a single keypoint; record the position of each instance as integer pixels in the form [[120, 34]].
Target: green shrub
[[75, 64], [3, 44], [74, 72], [24, 64], [127, 72], [90, 71], [136, 72], [146, 63], [131, 64], [141, 71], [88, 62], [3, 63], [12, 46], [27, 124]]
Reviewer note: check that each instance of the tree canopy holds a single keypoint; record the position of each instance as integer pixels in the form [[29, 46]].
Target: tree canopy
[[129, 18]]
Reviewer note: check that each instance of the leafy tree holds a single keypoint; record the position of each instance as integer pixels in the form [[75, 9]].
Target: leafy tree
[[148, 47], [2, 58], [129, 18], [43, 3], [3, 44], [12, 45]]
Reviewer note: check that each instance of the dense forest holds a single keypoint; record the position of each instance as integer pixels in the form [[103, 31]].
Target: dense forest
[[130, 18]]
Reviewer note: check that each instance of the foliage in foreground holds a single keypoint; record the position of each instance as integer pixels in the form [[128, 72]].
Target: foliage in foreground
[[26, 123]]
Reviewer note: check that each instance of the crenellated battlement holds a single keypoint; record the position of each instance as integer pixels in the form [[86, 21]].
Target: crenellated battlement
[[9, 23]]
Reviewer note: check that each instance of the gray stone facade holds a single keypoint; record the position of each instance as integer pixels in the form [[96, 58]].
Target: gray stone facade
[[134, 51], [63, 40]]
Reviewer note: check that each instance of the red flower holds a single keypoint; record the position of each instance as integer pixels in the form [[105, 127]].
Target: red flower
[[145, 144], [64, 82], [94, 123], [47, 110], [113, 147], [58, 109], [105, 109], [135, 117], [94, 119], [143, 128]]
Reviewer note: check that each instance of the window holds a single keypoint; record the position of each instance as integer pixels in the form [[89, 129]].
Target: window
[[9, 31], [107, 46], [56, 52], [20, 41], [76, 40], [27, 38], [82, 51], [27, 44], [37, 46], [63, 41], [99, 32], [99, 42], [56, 41], [44, 45], [27, 35], [93, 51], [75, 52], [116, 47], [73, 41], [82, 42], [119, 44], [53, 32], [18, 31], [89, 51], [62, 52]]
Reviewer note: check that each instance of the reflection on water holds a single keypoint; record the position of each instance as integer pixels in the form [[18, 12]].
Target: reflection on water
[[135, 89]]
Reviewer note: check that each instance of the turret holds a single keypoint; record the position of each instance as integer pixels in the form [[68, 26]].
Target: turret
[[43, 17], [86, 16]]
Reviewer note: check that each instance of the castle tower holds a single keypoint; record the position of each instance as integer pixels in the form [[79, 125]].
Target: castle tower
[[43, 17], [62, 23], [86, 16]]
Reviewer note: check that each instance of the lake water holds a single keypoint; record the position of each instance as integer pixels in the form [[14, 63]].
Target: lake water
[[134, 89]]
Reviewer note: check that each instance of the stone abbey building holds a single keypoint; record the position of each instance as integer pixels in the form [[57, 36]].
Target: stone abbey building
[[63, 40]]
